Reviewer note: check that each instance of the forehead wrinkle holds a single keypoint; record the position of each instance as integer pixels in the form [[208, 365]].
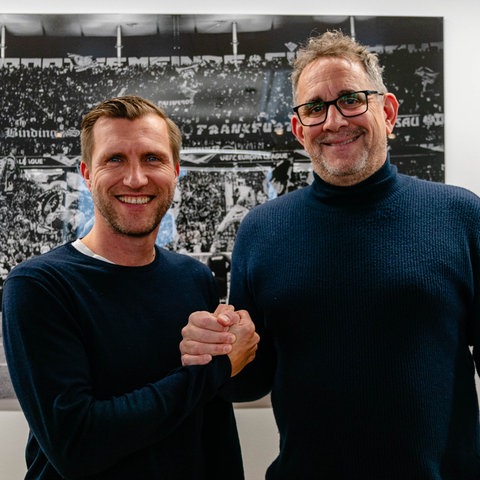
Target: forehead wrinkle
[[326, 79]]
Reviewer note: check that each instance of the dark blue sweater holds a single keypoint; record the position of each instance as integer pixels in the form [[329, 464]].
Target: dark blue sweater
[[93, 355], [366, 299]]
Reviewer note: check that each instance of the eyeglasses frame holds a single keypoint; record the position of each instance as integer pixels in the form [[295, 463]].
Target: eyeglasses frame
[[334, 102]]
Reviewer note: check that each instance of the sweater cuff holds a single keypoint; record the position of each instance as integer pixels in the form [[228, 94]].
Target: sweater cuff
[[222, 362]]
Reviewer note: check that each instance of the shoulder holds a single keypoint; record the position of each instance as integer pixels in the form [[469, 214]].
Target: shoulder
[[449, 203], [52, 271], [190, 278], [278, 205], [45, 261], [263, 224], [442, 191], [180, 261]]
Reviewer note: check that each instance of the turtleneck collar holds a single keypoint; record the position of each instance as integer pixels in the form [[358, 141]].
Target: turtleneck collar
[[367, 191]]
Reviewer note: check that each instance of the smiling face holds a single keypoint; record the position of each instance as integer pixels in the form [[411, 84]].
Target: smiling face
[[132, 175], [344, 151]]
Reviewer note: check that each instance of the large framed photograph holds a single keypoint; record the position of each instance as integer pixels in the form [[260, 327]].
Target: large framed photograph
[[224, 79]]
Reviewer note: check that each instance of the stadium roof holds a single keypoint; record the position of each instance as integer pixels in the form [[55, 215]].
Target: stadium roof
[[35, 34]]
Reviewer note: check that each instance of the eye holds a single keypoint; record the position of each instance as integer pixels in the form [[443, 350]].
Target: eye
[[115, 159], [351, 100], [314, 108]]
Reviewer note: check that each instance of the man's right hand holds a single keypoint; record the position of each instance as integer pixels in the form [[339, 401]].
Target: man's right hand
[[246, 344]]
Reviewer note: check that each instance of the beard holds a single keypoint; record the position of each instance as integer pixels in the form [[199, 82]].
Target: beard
[[328, 169], [346, 167], [133, 225]]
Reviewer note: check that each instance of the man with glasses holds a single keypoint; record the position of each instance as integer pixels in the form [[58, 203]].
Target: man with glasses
[[364, 288]]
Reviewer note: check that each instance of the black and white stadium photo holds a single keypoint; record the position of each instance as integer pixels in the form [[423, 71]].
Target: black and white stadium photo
[[224, 80]]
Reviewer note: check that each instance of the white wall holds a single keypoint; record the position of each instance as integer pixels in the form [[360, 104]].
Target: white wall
[[462, 71], [13, 437]]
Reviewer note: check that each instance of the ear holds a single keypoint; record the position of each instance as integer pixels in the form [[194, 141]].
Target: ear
[[85, 171], [390, 108], [177, 170], [297, 129]]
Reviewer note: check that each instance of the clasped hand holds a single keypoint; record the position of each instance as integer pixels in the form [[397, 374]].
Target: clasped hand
[[223, 332]]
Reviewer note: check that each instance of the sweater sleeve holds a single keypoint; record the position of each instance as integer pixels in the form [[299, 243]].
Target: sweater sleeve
[[256, 379], [80, 434], [473, 323]]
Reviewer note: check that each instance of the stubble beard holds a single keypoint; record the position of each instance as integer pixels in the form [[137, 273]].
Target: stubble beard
[[132, 229], [351, 170], [334, 174]]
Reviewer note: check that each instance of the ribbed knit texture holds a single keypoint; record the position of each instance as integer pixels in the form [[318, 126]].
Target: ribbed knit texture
[[93, 355], [366, 299]]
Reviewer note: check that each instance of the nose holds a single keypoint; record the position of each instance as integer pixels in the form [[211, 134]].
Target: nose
[[135, 176], [334, 119]]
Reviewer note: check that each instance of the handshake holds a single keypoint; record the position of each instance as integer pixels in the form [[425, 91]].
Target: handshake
[[223, 332]]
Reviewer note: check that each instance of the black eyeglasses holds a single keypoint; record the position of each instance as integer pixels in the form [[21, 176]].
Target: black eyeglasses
[[349, 105]]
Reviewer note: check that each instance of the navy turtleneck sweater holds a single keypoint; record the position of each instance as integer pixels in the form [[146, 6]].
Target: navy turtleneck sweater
[[366, 299]]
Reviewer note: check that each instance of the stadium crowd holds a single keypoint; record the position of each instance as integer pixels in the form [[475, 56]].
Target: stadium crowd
[[217, 105]]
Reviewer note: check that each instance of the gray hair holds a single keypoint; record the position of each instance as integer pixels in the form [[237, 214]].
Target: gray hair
[[336, 44]]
